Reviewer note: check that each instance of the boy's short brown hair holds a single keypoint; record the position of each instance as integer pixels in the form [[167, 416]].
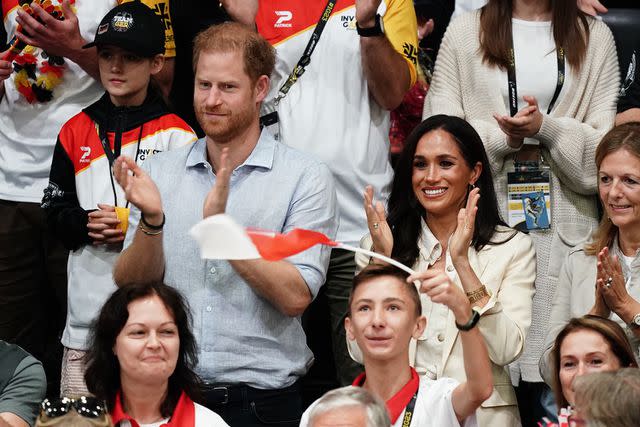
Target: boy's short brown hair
[[375, 271]]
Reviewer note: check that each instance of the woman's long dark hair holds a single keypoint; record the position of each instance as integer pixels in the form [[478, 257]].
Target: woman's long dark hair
[[569, 25], [103, 369], [405, 212]]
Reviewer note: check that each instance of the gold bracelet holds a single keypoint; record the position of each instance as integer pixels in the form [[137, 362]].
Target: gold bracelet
[[478, 294], [148, 232]]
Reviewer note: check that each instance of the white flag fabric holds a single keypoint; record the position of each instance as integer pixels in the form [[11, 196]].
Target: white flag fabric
[[220, 237]]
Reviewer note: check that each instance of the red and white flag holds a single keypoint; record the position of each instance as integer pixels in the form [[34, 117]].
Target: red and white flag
[[220, 237]]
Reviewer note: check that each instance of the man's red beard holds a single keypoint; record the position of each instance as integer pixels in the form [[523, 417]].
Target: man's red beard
[[227, 126]]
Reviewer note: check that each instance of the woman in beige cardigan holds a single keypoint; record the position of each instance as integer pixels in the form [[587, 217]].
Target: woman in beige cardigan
[[471, 80], [443, 217], [602, 275]]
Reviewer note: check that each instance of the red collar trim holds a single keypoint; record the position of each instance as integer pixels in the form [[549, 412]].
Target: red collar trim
[[400, 400], [183, 416]]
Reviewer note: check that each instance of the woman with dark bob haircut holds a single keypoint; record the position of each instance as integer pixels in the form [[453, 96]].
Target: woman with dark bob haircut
[[443, 220], [585, 345], [142, 348]]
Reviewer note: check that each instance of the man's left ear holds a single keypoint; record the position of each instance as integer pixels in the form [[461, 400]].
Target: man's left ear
[[157, 62], [262, 88], [421, 324]]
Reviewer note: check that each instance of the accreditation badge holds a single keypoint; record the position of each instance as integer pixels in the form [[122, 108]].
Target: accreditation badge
[[529, 199]]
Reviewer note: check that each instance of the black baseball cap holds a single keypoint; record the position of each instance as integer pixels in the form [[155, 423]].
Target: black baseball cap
[[132, 26]]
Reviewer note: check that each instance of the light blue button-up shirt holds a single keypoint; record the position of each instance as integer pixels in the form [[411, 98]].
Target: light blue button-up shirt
[[242, 337]]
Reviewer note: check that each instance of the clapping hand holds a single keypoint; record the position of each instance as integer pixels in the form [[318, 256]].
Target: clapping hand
[[610, 282], [139, 189], [525, 124], [216, 200], [463, 235], [377, 221]]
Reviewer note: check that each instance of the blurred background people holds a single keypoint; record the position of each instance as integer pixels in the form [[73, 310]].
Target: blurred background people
[[432, 225], [141, 359], [539, 82]]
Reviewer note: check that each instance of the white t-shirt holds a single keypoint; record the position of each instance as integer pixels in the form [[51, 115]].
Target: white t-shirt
[[204, 418], [329, 112], [28, 130], [433, 406], [536, 66]]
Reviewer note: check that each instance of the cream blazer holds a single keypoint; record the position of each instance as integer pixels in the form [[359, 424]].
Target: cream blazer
[[508, 270]]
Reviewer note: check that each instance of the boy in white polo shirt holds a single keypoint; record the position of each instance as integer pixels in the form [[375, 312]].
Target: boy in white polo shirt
[[384, 315]]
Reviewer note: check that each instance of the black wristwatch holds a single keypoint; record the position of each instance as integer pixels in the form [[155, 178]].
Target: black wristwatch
[[375, 31], [475, 316]]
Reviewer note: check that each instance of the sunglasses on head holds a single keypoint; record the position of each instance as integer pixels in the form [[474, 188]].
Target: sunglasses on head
[[86, 406]]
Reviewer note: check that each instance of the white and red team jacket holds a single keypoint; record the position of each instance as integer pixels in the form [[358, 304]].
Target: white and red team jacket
[[80, 178]]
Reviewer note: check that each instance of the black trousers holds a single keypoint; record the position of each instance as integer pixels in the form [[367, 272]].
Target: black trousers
[[244, 406], [33, 286]]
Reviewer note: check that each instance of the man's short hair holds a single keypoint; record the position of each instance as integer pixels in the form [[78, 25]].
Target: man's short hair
[[259, 56], [349, 397], [375, 271]]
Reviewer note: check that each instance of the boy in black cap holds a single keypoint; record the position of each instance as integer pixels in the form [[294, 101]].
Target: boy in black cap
[[83, 205]]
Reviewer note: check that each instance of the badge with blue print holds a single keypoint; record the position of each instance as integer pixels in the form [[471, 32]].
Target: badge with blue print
[[529, 199], [535, 210]]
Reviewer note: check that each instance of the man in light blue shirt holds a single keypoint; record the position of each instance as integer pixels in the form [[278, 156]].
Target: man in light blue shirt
[[246, 313]]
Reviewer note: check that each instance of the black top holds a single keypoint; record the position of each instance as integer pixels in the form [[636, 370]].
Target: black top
[[624, 23]]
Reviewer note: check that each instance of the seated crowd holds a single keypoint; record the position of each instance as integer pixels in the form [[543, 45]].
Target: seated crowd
[[489, 279]]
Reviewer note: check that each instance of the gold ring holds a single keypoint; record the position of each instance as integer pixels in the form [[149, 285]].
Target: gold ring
[[375, 225]]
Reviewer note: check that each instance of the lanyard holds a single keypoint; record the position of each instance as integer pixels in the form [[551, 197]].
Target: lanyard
[[513, 90], [113, 155], [408, 412], [305, 59]]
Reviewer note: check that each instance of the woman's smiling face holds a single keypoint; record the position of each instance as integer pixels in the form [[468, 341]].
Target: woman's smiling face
[[619, 188], [441, 176]]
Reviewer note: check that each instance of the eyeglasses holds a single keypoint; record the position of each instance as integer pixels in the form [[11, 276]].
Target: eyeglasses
[[89, 407]]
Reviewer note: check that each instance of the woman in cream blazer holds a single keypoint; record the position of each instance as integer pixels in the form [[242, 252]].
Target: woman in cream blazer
[[443, 215], [471, 81]]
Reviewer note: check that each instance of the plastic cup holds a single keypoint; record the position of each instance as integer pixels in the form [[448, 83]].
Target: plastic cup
[[123, 216]]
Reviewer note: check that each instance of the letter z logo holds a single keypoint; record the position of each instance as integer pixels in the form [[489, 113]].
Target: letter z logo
[[284, 16], [86, 152]]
